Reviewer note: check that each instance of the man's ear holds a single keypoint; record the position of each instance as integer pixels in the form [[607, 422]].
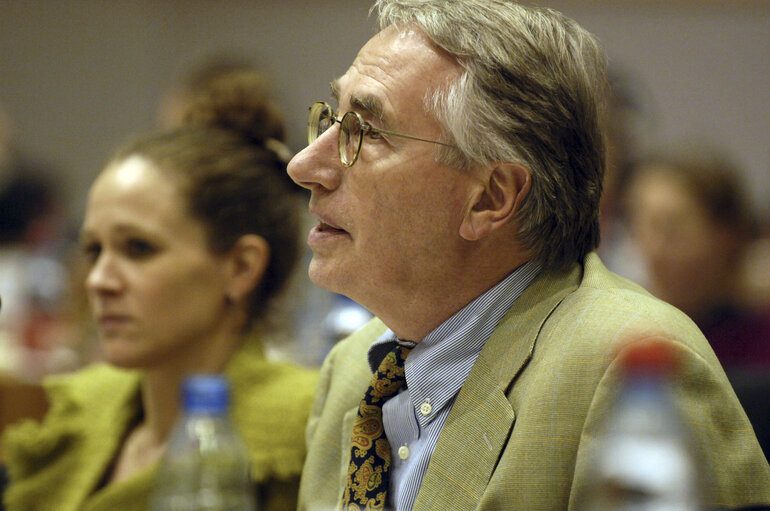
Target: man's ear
[[495, 204], [247, 262]]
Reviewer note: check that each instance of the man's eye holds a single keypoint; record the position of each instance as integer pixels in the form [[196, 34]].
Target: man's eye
[[372, 133]]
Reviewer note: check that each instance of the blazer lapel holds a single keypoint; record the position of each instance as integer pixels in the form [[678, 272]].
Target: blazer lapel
[[469, 445], [345, 443], [481, 419]]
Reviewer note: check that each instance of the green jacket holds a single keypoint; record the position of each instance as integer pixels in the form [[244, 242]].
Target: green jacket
[[58, 465], [521, 428]]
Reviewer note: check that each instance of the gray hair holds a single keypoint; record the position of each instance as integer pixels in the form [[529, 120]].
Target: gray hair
[[531, 92]]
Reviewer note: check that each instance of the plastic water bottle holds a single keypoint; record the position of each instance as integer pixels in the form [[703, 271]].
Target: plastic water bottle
[[205, 467], [643, 460]]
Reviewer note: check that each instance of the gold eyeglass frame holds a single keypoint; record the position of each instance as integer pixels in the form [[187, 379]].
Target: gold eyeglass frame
[[321, 109]]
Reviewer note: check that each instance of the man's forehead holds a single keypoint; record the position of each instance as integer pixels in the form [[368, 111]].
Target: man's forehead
[[361, 97], [392, 64]]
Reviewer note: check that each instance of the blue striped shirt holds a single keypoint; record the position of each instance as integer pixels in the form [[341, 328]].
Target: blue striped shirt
[[435, 370]]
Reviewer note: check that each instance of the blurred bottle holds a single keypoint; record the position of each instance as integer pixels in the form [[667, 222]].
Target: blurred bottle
[[643, 459], [205, 466], [344, 318]]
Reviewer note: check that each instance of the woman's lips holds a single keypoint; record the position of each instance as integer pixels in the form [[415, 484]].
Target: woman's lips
[[112, 321]]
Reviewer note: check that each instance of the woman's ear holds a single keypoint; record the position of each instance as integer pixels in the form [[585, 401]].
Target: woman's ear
[[246, 264], [496, 203]]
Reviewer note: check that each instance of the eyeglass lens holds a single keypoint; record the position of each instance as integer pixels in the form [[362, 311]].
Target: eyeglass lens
[[320, 120], [350, 138]]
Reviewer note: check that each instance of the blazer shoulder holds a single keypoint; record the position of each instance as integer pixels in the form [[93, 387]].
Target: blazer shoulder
[[345, 373], [95, 391], [271, 403], [605, 298]]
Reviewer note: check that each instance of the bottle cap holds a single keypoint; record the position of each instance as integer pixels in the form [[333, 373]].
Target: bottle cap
[[205, 394], [652, 357]]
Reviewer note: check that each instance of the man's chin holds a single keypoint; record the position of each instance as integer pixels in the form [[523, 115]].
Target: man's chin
[[329, 275]]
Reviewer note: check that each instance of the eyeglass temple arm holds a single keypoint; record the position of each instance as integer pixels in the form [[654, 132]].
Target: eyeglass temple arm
[[394, 134], [366, 127]]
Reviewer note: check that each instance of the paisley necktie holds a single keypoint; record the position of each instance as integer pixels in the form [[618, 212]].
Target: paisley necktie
[[368, 473]]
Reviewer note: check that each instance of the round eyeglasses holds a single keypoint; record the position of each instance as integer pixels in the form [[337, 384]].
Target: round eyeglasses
[[352, 130]]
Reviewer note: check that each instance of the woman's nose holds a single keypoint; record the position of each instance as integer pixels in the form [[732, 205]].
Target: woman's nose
[[102, 277]]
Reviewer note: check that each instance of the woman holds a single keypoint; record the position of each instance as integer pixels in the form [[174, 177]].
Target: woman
[[693, 224], [189, 234]]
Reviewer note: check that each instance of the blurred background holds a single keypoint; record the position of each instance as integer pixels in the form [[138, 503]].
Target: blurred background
[[78, 77]]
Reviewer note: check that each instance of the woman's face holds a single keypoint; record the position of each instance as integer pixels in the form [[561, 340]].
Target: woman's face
[[157, 293]]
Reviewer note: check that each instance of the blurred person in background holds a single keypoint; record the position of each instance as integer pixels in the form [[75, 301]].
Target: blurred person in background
[[694, 226], [35, 325], [189, 235], [629, 122]]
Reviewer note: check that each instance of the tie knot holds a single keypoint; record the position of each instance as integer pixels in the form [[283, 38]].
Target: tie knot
[[390, 375]]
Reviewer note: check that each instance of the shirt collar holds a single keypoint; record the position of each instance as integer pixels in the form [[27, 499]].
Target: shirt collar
[[476, 320]]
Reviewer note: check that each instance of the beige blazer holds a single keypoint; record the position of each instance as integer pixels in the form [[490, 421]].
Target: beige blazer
[[519, 432]]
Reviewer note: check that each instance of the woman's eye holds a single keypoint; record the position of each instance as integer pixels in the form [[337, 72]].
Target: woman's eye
[[138, 248], [91, 251]]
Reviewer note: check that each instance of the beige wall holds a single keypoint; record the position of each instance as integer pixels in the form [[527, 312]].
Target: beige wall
[[80, 75]]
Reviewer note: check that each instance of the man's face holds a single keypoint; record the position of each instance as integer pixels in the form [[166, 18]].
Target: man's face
[[388, 224]]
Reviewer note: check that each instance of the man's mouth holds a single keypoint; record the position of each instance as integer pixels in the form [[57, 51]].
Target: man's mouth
[[324, 227], [325, 233]]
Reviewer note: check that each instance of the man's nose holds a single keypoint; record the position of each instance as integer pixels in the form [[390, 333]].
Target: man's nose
[[318, 166]]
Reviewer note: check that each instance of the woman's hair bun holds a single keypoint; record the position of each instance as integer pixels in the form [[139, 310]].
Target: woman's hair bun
[[236, 101]]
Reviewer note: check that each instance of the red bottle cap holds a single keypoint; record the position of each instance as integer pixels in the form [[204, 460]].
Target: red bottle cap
[[648, 356]]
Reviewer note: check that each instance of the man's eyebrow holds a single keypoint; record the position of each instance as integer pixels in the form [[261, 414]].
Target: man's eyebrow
[[368, 104], [335, 87]]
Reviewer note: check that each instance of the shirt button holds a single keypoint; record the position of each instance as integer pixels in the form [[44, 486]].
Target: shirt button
[[426, 408], [403, 452]]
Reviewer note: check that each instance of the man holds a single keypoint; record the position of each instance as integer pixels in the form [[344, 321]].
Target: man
[[458, 202]]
